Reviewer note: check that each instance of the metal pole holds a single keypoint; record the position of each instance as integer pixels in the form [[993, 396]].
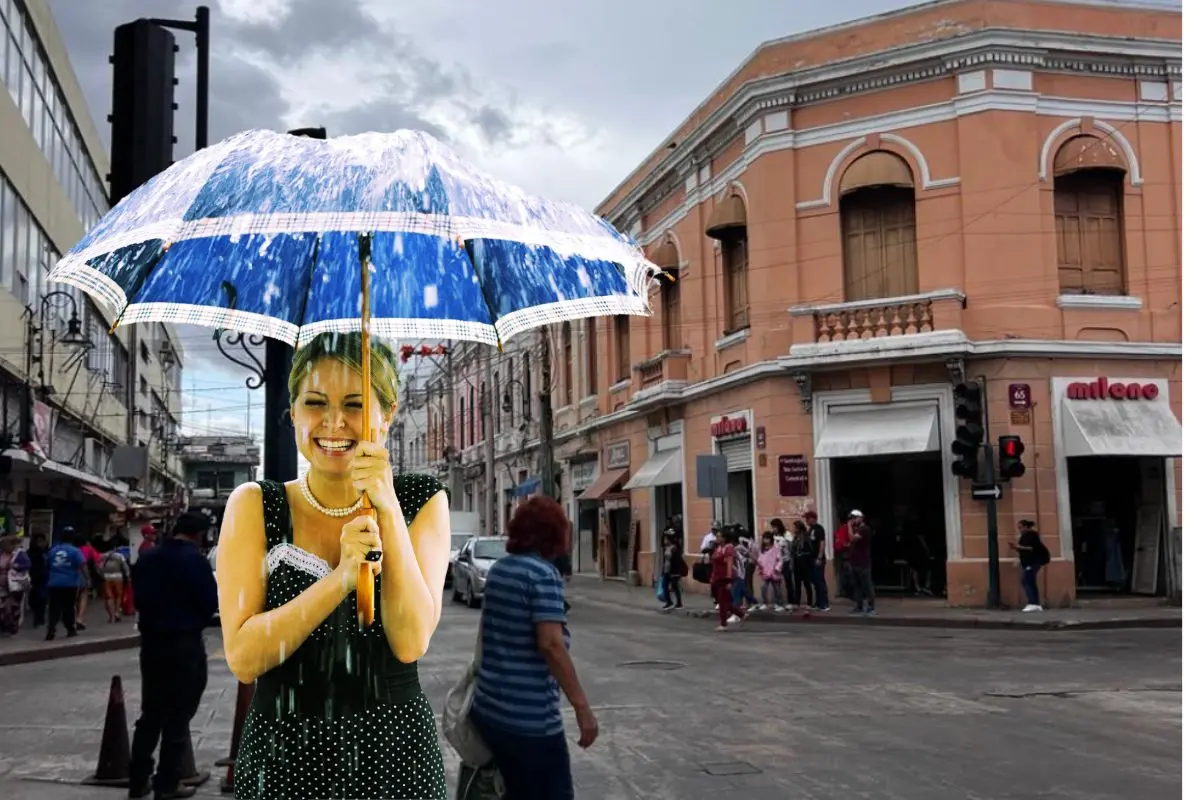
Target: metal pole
[[489, 474], [993, 530], [201, 77], [546, 446], [453, 468], [279, 443]]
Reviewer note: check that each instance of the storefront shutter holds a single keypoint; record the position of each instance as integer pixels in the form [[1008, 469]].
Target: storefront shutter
[[738, 453]]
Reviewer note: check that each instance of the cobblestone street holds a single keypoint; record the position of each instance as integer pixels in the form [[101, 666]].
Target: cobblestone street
[[824, 712]]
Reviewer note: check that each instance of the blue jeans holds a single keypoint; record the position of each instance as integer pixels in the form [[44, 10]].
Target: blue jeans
[[741, 593], [820, 585], [1029, 584], [533, 767]]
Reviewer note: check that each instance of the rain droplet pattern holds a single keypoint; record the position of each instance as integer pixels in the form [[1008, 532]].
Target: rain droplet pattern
[[341, 718]]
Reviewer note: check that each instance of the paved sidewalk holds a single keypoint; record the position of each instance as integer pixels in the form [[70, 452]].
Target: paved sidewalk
[[99, 637], [903, 611]]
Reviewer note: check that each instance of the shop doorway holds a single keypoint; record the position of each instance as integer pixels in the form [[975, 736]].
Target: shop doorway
[[620, 542], [1118, 515], [586, 540], [902, 500]]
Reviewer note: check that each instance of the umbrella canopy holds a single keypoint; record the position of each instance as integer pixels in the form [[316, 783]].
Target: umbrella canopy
[[265, 233]]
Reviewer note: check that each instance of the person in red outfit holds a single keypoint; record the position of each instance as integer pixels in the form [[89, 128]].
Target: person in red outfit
[[722, 580]]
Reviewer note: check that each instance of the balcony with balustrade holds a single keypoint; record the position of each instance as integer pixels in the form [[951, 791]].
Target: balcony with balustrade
[[885, 324]]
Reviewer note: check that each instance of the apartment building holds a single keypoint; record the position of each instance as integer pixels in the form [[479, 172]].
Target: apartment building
[[859, 218], [74, 395], [213, 467]]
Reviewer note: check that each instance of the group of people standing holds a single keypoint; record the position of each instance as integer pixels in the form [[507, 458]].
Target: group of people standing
[[788, 565], [57, 582]]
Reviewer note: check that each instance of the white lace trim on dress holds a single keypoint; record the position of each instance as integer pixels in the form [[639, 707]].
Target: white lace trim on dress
[[293, 556]]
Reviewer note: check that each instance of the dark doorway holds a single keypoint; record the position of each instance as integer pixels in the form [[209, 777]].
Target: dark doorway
[[901, 498], [1118, 514]]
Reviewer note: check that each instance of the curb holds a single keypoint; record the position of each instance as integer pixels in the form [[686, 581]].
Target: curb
[[945, 623], [70, 649]]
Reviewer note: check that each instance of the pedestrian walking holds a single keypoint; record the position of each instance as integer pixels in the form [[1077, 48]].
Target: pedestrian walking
[[176, 596], [14, 584], [92, 580], [1033, 555], [725, 560], [674, 568], [64, 580], [525, 661], [114, 569]]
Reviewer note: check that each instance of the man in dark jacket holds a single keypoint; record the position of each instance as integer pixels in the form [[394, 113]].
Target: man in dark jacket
[[176, 596]]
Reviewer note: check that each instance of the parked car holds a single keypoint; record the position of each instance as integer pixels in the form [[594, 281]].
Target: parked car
[[471, 568], [457, 542]]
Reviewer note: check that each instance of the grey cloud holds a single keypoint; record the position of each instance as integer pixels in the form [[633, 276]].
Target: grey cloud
[[384, 114], [497, 126]]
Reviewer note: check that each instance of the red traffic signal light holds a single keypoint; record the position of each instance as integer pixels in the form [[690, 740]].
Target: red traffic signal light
[[1011, 449]]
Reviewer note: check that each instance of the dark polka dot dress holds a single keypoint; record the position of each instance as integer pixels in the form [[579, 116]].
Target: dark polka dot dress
[[342, 717]]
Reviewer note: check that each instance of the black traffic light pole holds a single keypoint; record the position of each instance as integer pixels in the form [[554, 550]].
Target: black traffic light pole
[[199, 26], [993, 518]]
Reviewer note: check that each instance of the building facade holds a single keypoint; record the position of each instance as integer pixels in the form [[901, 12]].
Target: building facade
[[74, 395], [213, 467], [860, 218]]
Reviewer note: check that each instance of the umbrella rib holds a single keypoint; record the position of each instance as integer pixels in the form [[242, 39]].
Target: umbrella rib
[[469, 246], [138, 282], [312, 269]]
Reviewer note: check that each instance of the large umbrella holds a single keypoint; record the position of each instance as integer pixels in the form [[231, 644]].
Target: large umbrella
[[391, 234]]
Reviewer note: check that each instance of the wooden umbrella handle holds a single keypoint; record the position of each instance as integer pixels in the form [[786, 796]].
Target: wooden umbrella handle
[[365, 586]]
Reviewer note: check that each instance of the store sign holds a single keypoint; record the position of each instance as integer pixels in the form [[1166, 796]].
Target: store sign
[[793, 476], [583, 474], [617, 455], [1101, 389], [730, 426]]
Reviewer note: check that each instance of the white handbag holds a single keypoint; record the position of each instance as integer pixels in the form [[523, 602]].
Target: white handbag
[[457, 726]]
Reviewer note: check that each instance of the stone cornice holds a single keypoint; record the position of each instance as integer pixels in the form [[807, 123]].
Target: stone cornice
[[1037, 50]]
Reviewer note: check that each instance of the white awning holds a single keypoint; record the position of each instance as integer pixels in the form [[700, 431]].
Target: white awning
[[879, 431], [1120, 428], [661, 469]]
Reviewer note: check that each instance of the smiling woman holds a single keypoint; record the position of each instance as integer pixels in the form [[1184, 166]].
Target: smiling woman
[[338, 709]]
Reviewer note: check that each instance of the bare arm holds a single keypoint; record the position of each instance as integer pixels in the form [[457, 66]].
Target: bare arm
[[553, 647], [414, 569], [256, 640]]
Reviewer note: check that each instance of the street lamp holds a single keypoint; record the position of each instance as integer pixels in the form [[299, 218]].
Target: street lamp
[[35, 348]]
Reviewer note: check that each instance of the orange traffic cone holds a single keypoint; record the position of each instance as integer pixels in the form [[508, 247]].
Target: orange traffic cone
[[112, 767], [190, 775]]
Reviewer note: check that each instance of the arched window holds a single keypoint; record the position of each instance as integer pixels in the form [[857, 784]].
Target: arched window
[[568, 372], [728, 225], [667, 257], [592, 368], [621, 347], [1089, 186], [879, 222]]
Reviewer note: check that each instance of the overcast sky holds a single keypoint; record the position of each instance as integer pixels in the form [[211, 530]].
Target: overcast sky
[[562, 98]]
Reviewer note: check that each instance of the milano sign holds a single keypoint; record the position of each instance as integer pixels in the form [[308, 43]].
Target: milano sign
[[1103, 389]]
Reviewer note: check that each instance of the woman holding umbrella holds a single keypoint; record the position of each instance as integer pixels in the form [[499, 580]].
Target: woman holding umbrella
[[338, 710]]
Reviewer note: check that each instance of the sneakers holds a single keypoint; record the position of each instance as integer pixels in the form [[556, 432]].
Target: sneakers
[[779, 609], [1033, 607]]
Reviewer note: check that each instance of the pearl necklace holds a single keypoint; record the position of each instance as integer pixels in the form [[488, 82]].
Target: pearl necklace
[[306, 491]]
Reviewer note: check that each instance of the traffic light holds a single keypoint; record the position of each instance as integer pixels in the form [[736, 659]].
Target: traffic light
[[968, 435], [1011, 448], [143, 105]]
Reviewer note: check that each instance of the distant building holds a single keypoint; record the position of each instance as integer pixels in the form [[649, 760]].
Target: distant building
[[214, 466]]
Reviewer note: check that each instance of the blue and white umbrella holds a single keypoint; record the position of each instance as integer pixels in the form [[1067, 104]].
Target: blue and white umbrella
[[266, 233]]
